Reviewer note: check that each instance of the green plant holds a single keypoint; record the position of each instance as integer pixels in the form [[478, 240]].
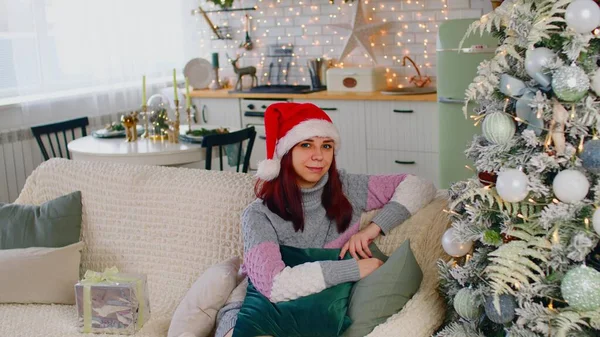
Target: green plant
[[222, 3]]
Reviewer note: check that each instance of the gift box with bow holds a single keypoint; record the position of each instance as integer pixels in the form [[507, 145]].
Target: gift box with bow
[[112, 302]]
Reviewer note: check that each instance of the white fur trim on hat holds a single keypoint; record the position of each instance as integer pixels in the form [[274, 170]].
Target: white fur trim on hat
[[268, 169], [305, 130]]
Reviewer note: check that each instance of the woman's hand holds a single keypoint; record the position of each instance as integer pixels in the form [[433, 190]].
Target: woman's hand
[[358, 244], [367, 266]]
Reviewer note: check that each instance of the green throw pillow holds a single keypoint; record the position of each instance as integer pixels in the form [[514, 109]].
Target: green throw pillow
[[385, 292], [56, 223], [322, 314]]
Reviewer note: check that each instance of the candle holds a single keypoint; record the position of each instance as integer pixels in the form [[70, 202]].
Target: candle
[[215, 60], [188, 99], [144, 90], [175, 85]]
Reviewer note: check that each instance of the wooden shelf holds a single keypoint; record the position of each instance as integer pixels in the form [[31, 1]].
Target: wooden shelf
[[354, 96]]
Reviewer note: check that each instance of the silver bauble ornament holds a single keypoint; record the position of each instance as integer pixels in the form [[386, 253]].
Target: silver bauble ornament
[[454, 247], [581, 288], [583, 16], [512, 185], [498, 128], [570, 83], [590, 156], [536, 61], [507, 309], [570, 186], [467, 304]]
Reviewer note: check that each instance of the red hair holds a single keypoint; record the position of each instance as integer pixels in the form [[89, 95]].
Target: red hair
[[283, 196]]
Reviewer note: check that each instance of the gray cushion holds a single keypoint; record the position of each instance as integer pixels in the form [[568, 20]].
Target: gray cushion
[[56, 223], [383, 293]]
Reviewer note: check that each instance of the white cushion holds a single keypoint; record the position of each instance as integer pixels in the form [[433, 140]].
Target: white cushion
[[197, 312], [39, 274]]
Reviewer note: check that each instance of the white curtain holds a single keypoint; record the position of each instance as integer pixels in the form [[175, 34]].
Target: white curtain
[[61, 59]]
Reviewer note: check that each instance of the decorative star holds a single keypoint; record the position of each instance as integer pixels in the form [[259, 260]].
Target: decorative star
[[360, 32]]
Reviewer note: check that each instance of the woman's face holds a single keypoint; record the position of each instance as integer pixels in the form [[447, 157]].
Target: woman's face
[[311, 159]]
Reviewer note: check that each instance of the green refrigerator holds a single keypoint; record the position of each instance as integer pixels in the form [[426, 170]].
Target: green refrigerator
[[456, 69]]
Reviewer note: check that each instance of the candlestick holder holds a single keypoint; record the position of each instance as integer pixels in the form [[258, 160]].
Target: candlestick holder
[[216, 83], [188, 110], [146, 133], [173, 131]]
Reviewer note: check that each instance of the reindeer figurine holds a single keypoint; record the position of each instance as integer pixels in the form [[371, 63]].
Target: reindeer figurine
[[129, 121], [241, 72]]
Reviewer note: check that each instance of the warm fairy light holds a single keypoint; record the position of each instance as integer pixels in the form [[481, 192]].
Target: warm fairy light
[[555, 236], [469, 168], [586, 221], [555, 201], [468, 257]]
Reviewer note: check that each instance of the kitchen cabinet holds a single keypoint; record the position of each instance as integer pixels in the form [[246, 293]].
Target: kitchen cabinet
[[218, 111], [349, 118], [402, 137]]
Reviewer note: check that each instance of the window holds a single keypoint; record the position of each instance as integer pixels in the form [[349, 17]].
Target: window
[[53, 46]]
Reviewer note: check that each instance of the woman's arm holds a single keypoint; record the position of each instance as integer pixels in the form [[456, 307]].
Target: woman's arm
[[398, 196], [265, 267]]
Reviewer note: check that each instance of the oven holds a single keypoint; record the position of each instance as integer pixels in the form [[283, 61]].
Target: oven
[[253, 114]]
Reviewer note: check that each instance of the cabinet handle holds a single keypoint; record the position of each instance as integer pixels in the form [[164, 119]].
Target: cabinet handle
[[254, 114], [204, 114], [403, 111], [410, 162], [329, 109], [262, 137]]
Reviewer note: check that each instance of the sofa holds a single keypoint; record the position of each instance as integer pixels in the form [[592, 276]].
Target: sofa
[[173, 223]]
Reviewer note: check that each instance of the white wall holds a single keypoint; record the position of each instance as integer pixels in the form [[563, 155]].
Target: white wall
[[413, 25]]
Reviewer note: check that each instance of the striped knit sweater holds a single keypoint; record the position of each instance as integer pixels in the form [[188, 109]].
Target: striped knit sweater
[[398, 196]]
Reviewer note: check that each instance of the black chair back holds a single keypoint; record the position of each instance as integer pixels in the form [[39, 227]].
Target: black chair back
[[231, 139], [51, 131]]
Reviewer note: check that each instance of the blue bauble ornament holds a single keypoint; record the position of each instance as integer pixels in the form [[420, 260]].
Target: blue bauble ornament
[[590, 156], [507, 309]]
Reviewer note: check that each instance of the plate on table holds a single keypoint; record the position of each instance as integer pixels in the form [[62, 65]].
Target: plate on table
[[199, 73], [199, 131], [115, 130]]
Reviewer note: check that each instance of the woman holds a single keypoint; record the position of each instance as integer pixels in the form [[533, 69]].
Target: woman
[[304, 202]]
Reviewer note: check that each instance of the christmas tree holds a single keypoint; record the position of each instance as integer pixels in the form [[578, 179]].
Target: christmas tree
[[525, 228]]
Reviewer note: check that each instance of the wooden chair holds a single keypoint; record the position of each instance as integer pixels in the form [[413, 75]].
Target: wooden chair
[[53, 131], [230, 140]]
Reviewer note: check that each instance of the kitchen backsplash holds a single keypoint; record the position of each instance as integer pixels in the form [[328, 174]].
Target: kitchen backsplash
[[307, 25]]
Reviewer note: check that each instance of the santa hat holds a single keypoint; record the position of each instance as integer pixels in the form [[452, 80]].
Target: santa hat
[[287, 124]]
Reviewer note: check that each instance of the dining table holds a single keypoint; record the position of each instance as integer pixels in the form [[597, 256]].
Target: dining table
[[143, 151]]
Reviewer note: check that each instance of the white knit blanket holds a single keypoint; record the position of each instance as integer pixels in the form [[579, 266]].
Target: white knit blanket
[[172, 224]]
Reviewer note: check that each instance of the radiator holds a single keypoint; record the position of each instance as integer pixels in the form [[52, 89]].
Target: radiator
[[20, 155]]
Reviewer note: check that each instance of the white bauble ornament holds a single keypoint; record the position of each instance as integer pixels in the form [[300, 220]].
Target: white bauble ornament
[[596, 221], [596, 82], [498, 128], [453, 247], [583, 16], [511, 185], [535, 62], [570, 186]]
